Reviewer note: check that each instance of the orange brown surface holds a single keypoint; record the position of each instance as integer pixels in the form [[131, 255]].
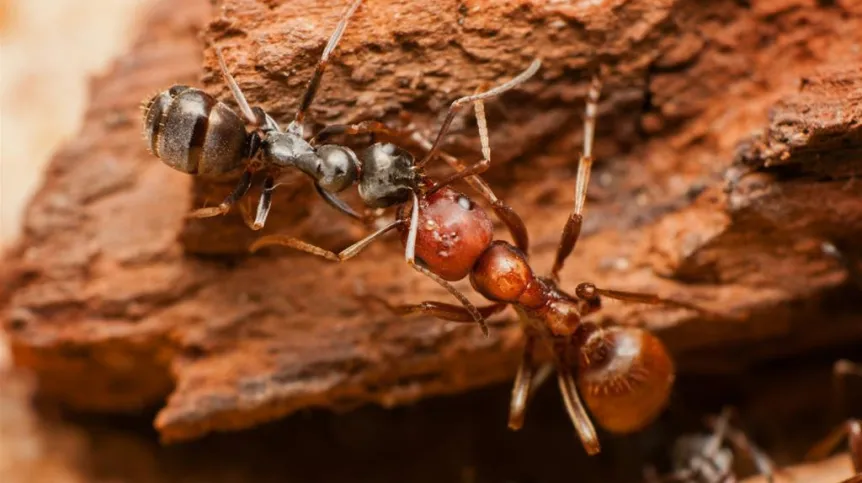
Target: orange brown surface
[[118, 302]]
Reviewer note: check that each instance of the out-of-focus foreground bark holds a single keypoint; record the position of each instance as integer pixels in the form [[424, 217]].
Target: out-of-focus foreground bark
[[728, 142]]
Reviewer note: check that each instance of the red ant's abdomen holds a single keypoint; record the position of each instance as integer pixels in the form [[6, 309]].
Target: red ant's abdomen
[[452, 233], [625, 377]]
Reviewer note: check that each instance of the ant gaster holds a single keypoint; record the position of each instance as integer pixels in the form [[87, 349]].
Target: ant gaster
[[194, 133], [624, 374]]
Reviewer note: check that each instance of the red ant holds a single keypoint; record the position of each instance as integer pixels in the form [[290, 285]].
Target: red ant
[[624, 374]]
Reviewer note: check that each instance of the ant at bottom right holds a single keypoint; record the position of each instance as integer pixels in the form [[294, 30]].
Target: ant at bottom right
[[851, 428], [703, 458]]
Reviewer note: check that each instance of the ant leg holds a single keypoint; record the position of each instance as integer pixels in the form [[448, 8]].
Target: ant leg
[[572, 230], [364, 127], [522, 388], [573, 403], [264, 204], [724, 431], [238, 192], [588, 291], [334, 201], [762, 461], [410, 257], [458, 103], [245, 211], [441, 310], [255, 119], [852, 430], [347, 253], [314, 83]]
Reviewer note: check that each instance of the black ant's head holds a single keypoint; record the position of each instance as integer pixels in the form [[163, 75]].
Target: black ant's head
[[388, 176]]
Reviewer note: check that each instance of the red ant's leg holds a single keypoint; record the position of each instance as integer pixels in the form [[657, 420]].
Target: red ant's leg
[[572, 230]]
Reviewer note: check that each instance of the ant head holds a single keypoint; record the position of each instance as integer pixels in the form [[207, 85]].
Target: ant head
[[388, 176], [625, 376]]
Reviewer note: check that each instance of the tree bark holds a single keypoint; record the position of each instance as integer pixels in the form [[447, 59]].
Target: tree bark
[[727, 149]]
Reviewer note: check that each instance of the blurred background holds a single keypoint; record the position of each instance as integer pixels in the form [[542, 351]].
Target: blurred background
[[49, 49]]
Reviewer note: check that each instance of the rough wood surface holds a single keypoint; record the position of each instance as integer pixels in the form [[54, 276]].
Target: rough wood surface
[[117, 301]]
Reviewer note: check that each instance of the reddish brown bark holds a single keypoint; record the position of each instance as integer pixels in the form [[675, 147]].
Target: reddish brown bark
[[115, 300]]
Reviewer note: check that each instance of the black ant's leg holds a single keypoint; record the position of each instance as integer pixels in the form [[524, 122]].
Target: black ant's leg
[[238, 192], [347, 253]]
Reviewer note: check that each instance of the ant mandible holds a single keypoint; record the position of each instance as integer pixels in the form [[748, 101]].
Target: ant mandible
[[625, 374]]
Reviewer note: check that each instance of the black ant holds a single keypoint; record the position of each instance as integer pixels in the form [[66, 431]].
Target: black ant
[[194, 133], [850, 429], [703, 458], [625, 374]]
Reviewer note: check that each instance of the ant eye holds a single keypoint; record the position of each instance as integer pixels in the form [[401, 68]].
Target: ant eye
[[465, 203]]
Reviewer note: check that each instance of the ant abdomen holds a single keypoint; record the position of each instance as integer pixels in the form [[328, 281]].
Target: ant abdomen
[[452, 233], [192, 132], [625, 377]]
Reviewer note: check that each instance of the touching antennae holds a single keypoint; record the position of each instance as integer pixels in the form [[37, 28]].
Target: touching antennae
[[458, 103], [314, 83]]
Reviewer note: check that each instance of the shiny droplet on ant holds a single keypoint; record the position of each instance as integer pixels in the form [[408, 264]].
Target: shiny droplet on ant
[[455, 235]]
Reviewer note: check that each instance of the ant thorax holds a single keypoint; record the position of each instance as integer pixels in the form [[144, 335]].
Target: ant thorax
[[333, 168]]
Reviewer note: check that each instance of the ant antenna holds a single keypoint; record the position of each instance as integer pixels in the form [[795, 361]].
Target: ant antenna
[[314, 83], [458, 103]]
